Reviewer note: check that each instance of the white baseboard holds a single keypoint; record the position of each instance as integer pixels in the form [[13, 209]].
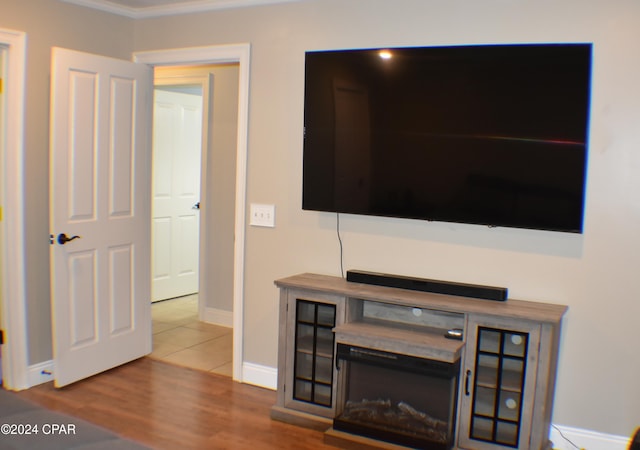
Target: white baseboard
[[263, 376], [585, 439], [218, 317], [40, 373]]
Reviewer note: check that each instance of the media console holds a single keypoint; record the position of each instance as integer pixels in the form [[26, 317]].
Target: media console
[[375, 367]]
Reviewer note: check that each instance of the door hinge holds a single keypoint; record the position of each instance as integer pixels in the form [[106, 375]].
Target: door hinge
[[51, 239], [1, 337]]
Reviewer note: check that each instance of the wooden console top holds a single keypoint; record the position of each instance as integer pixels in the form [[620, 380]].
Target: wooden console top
[[511, 308]]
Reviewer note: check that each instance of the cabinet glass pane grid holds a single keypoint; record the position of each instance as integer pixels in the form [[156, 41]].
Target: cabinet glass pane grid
[[313, 365], [498, 386]]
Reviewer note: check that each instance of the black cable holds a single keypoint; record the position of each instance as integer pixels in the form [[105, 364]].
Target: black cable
[[564, 437], [635, 441], [340, 242]]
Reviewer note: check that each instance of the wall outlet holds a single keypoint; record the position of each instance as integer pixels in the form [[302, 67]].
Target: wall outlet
[[262, 215]]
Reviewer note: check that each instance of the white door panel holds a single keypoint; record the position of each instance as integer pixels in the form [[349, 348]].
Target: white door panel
[[177, 149], [100, 192]]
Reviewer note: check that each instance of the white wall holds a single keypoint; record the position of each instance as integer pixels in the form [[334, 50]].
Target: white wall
[[596, 273]]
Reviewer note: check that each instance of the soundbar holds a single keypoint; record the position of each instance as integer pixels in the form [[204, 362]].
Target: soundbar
[[426, 285]]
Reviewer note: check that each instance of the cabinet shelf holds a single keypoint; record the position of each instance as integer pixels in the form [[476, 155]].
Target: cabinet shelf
[[422, 344], [511, 380], [318, 346], [312, 380], [494, 386], [482, 416], [309, 351], [307, 322]]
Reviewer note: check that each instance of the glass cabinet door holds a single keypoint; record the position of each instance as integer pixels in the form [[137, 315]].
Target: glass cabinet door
[[501, 359], [500, 378], [314, 361]]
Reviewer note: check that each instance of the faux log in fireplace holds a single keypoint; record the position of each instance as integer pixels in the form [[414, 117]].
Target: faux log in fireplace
[[397, 398]]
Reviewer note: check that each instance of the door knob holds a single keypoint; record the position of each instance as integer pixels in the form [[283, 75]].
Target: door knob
[[63, 238]]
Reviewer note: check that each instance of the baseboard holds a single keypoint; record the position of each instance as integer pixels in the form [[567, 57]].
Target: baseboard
[[40, 373], [255, 374], [263, 376], [585, 439], [218, 317]]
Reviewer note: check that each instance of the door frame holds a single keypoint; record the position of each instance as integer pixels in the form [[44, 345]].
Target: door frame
[[219, 54], [13, 275]]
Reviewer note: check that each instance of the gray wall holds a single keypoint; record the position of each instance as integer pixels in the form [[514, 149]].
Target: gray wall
[[594, 273], [221, 192]]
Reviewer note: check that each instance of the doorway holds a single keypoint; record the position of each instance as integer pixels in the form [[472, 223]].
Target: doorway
[[193, 225], [16, 371], [221, 55]]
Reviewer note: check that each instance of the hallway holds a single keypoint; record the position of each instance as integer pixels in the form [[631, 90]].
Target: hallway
[[180, 338]]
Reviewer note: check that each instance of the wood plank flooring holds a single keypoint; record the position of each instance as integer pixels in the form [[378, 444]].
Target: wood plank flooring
[[170, 407]]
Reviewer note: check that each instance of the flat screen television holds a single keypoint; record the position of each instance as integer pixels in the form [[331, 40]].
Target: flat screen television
[[493, 135]]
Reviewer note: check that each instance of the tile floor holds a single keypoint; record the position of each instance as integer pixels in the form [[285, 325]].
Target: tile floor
[[180, 338]]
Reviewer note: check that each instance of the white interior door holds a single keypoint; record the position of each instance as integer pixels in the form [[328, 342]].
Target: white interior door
[[100, 192], [177, 149]]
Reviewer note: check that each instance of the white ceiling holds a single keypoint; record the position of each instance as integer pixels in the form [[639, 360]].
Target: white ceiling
[[138, 9]]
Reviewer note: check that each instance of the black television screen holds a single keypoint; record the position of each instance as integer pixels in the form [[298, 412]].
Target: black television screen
[[485, 134]]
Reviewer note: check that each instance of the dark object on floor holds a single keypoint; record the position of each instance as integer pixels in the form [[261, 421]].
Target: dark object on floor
[[635, 441], [26, 425]]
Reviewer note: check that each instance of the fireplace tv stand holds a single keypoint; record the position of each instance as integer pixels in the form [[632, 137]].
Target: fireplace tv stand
[[507, 356]]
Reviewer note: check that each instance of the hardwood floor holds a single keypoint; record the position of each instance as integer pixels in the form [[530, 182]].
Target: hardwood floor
[[170, 407]]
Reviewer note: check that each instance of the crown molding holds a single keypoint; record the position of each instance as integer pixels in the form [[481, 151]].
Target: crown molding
[[179, 7]]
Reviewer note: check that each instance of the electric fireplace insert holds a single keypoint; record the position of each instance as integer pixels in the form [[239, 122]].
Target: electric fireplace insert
[[401, 399]]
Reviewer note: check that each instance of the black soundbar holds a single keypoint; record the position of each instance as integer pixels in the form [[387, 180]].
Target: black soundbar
[[426, 285]]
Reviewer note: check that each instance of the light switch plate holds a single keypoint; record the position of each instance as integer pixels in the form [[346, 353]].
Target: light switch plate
[[262, 215]]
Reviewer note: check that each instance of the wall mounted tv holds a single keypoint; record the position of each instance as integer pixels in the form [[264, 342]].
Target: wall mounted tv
[[486, 134]]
